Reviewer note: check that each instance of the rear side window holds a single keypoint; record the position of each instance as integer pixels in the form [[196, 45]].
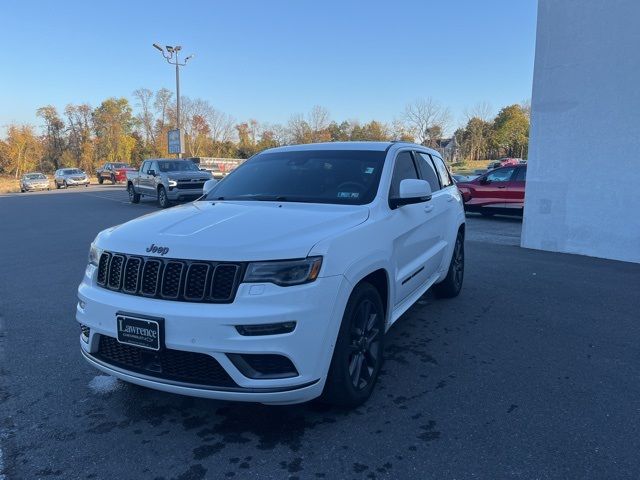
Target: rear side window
[[427, 171], [402, 170], [500, 175], [521, 176], [443, 173]]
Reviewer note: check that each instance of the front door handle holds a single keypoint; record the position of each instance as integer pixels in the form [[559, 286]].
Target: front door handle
[[428, 208], [502, 186]]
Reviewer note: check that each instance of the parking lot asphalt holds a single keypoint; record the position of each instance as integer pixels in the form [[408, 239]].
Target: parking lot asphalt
[[532, 372]]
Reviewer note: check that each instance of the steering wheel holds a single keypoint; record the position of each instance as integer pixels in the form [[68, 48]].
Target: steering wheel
[[348, 186]]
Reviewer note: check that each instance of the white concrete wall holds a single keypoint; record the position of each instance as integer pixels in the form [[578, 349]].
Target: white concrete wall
[[583, 179]]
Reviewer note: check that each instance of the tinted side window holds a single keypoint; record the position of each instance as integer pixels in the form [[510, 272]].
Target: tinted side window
[[443, 173], [403, 169], [521, 176], [500, 175], [427, 171]]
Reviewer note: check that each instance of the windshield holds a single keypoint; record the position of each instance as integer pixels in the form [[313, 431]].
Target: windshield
[[177, 166], [34, 176], [72, 171], [348, 177]]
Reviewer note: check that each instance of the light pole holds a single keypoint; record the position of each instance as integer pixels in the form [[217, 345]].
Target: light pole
[[169, 56]]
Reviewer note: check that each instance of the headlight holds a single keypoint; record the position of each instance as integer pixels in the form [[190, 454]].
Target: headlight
[[94, 254], [284, 273], [173, 183]]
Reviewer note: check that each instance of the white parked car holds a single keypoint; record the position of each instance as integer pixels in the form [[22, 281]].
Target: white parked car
[[279, 284]]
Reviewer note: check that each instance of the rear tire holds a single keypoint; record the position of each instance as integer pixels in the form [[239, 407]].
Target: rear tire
[[57, 186], [358, 353], [100, 180], [133, 196], [163, 201], [452, 284], [113, 180], [65, 184]]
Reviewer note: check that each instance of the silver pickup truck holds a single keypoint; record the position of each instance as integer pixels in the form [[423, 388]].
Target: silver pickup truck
[[168, 180]]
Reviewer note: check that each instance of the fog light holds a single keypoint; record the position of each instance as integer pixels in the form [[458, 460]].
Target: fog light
[[266, 329], [84, 333]]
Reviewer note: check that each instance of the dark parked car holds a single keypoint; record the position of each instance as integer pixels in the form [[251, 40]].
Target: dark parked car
[[498, 191], [114, 172]]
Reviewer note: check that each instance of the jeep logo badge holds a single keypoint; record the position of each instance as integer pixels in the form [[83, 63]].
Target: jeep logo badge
[[153, 248]]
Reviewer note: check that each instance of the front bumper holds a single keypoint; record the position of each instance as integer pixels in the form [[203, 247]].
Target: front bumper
[[71, 181], [179, 194], [210, 329], [32, 186]]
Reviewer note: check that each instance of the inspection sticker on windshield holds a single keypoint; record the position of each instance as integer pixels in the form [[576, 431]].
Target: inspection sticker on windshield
[[369, 170], [348, 194]]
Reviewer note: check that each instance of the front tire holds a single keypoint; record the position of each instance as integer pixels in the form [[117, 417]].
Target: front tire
[[64, 184], [357, 356], [113, 180], [163, 201], [133, 196], [100, 180], [452, 284]]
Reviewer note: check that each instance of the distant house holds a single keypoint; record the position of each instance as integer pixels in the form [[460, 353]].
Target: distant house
[[449, 148]]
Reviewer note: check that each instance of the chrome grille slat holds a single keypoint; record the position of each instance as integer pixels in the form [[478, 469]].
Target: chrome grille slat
[[170, 279]]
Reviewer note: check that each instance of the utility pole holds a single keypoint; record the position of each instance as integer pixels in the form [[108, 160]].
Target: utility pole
[[169, 56]]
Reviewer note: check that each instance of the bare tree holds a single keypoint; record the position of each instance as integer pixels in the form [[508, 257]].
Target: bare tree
[[145, 116], [425, 116], [318, 120], [162, 106], [481, 110]]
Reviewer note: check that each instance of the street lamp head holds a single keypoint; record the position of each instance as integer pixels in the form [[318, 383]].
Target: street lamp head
[[155, 45], [169, 48], [188, 58], [177, 48]]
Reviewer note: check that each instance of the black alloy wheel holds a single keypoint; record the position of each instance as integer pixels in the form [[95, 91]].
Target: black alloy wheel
[[358, 353], [452, 284], [365, 344]]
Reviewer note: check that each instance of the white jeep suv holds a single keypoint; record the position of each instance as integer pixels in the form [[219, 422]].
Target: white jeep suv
[[278, 285]]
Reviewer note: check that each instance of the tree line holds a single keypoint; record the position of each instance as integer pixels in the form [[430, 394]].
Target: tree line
[[126, 130]]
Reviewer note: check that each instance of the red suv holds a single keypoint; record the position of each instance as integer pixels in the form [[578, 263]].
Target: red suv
[[498, 191]]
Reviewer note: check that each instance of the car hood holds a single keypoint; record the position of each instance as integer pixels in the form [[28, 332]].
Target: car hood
[[233, 231]]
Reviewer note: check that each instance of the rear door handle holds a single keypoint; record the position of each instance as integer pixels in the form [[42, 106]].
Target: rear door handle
[[502, 186], [428, 208]]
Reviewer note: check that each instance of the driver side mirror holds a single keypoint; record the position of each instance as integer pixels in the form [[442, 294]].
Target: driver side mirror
[[208, 186], [484, 181], [152, 172], [411, 191]]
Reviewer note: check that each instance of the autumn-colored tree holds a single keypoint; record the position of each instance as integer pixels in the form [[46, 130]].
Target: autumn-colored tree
[[21, 152], [511, 131], [113, 124]]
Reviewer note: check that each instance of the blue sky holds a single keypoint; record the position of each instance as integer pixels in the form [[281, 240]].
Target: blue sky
[[270, 59]]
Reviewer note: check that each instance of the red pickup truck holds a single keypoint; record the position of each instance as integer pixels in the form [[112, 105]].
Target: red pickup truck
[[114, 172], [497, 191]]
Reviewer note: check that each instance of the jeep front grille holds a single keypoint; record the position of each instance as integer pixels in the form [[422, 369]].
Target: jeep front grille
[[170, 279]]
